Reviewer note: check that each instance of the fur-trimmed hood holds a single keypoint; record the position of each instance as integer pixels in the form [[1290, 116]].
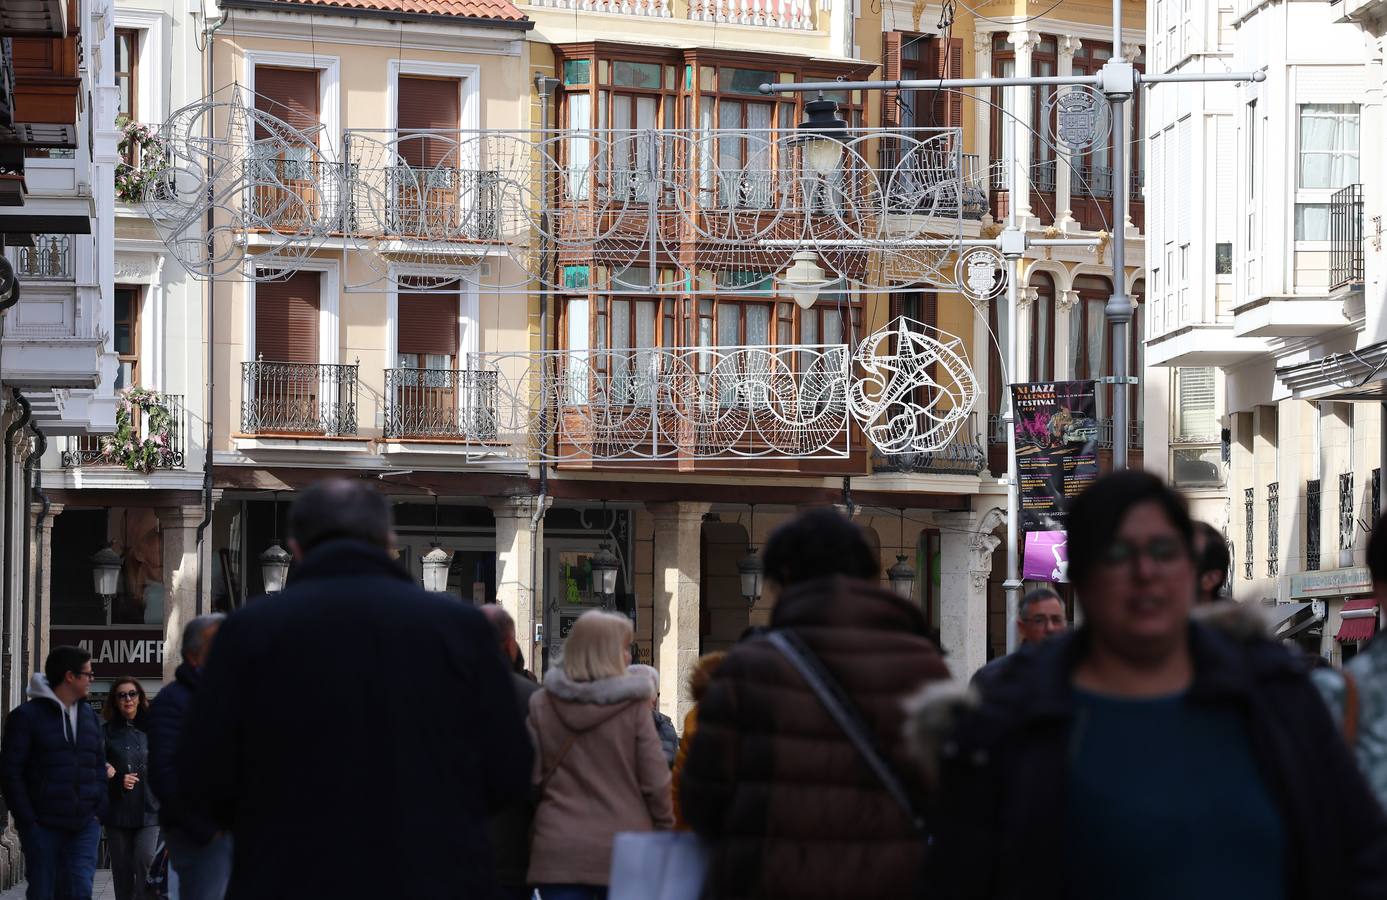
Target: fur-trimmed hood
[[583, 705]]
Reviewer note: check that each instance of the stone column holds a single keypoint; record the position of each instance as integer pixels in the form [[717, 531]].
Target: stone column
[[1020, 149], [178, 531], [1064, 341], [516, 589], [1064, 208], [966, 543], [40, 589], [982, 68], [1025, 306], [678, 533]]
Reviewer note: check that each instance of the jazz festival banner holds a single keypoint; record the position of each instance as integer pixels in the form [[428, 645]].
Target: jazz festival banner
[[1056, 448]]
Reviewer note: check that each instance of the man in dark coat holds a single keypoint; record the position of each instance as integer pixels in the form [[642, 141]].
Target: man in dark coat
[[53, 774], [788, 805], [199, 852], [354, 732], [510, 825]]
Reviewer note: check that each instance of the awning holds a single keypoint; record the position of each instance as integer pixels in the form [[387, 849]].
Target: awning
[[1282, 618], [1360, 620]]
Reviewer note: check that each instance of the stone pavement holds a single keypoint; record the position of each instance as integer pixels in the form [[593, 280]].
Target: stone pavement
[[101, 890]]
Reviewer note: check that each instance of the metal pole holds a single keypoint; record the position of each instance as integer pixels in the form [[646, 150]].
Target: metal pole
[[1119, 308], [1012, 249], [927, 84]]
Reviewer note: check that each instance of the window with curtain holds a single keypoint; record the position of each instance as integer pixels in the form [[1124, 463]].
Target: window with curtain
[[1328, 135], [1043, 329], [127, 76]]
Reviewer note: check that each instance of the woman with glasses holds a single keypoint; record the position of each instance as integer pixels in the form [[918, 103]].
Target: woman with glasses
[[132, 817], [1146, 755]]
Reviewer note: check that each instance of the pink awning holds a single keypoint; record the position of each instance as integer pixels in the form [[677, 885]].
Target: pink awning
[[1360, 620]]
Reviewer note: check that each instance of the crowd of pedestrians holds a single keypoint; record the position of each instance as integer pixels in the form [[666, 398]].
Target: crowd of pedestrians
[[360, 737]]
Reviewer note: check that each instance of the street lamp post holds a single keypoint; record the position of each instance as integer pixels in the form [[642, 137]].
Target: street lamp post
[[106, 574], [605, 566]]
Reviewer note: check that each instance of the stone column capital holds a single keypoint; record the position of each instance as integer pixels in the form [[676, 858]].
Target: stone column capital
[[1025, 43], [679, 510], [1132, 52], [54, 510], [1068, 46], [179, 516], [1026, 296], [1066, 300], [515, 506], [982, 42]]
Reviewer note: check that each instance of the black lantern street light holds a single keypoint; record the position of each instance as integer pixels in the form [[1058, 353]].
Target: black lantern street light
[[749, 568], [821, 136], [274, 567], [106, 564], [902, 575], [605, 565]]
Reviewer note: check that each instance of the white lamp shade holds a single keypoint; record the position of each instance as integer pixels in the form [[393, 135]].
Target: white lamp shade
[[274, 568], [434, 565], [822, 155], [902, 578], [750, 570], [605, 566], [805, 278], [105, 571]]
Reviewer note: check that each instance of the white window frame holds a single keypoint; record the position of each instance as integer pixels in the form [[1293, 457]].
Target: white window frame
[[469, 88], [1319, 196], [329, 89], [329, 293], [469, 314], [153, 28]]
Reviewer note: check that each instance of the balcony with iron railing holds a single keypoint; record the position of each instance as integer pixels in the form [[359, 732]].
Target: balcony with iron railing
[[288, 194], [442, 404], [298, 399], [1346, 238], [49, 259], [961, 456], [146, 446]]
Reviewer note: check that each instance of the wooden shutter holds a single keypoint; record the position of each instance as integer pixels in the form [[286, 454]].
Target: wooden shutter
[[427, 103], [945, 60], [290, 95], [891, 63], [286, 319], [429, 323]]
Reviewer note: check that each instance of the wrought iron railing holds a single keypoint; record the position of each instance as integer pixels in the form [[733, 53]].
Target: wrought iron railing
[[1136, 433], [974, 182], [1248, 504], [1312, 525], [962, 456], [442, 203], [1273, 529], [298, 398], [1092, 181], [996, 430], [101, 450], [1346, 237], [1347, 511], [286, 194], [50, 259], [1043, 176], [441, 403]]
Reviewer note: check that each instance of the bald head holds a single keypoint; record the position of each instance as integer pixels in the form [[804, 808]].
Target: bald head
[[505, 628], [340, 509]]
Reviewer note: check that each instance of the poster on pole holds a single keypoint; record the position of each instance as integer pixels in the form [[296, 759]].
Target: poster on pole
[[1056, 448], [1046, 557]]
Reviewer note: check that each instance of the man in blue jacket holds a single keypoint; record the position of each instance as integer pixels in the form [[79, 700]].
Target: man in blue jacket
[[53, 776], [199, 852]]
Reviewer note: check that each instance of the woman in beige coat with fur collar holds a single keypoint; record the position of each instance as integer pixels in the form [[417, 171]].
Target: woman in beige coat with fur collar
[[599, 769]]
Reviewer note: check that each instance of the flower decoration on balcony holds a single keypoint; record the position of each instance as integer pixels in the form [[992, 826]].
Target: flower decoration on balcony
[[143, 160], [126, 447]]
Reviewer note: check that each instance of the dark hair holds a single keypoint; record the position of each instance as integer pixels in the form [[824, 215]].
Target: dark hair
[[108, 710], [817, 544], [62, 660], [1377, 554], [1035, 596], [195, 634], [1096, 515], [1214, 556], [340, 508]]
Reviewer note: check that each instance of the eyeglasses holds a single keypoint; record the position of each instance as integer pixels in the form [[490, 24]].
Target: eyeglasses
[[127, 695], [1041, 621], [87, 674], [1161, 550]]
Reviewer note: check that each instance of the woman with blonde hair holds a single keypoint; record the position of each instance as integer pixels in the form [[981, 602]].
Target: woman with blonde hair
[[599, 769]]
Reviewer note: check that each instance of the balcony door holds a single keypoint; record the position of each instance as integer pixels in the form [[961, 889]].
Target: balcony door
[[286, 185], [433, 393], [429, 191], [289, 389]]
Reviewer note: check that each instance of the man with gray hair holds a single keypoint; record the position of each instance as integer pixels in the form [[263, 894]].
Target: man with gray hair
[[199, 853], [354, 695]]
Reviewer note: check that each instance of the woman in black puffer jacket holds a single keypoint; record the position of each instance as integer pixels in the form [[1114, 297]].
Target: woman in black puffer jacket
[[132, 819]]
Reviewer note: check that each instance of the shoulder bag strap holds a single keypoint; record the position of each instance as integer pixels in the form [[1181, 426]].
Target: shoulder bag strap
[[1350, 709], [840, 708], [548, 774]]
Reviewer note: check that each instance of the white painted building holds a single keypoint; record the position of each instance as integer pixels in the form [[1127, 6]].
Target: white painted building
[[1256, 278]]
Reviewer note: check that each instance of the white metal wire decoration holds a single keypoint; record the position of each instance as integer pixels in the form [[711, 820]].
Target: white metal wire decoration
[[913, 387], [980, 274], [268, 186]]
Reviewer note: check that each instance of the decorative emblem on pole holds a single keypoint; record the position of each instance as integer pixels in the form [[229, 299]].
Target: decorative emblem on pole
[[980, 274], [915, 390], [1079, 117]]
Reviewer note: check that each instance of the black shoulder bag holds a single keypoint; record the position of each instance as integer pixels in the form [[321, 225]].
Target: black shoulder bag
[[840, 707]]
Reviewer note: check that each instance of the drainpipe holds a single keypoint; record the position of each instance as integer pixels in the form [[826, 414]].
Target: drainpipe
[[45, 505], [18, 425], [546, 87], [32, 469]]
